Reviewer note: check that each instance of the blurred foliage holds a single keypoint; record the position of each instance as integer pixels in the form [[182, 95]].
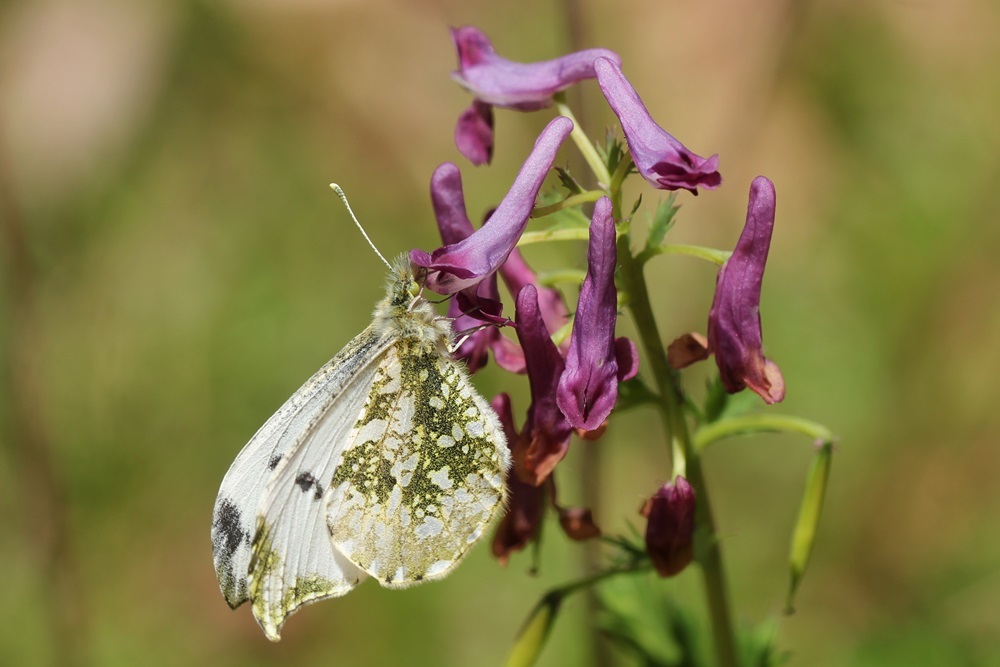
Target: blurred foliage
[[174, 266]]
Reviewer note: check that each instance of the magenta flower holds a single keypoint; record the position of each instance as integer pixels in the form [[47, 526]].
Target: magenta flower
[[454, 225], [588, 387], [516, 274], [659, 157], [474, 133], [526, 502], [457, 266], [734, 331], [670, 517], [546, 433], [496, 81]]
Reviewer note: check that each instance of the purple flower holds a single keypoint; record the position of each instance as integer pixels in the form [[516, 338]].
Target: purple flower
[[522, 86], [457, 266], [474, 133], [734, 332], [546, 432], [516, 274], [496, 81], [659, 157], [588, 387], [670, 527], [526, 502], [467, 313]]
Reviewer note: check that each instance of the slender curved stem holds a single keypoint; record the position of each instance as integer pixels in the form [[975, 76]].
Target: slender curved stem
[[708, 254], [760, 423], [582, 142], [569, 202]]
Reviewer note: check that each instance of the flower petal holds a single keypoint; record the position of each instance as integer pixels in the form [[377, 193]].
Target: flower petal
[[670, 527], [659, 157], [548, 433], [474, 133], [456, 267], [588, 387], [734, 330], [523, 86], [526, 502]]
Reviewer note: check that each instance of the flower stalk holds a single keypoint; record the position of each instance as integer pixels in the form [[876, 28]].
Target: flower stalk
[[670, 408]]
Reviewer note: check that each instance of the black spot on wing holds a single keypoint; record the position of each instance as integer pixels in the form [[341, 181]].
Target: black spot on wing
[[228, 533], [227, 536], [273, 463], [307, 481]]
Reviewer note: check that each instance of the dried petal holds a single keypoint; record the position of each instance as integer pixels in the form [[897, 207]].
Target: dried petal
[[687, 349]]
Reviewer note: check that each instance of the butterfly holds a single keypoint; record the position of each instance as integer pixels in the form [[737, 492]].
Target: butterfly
[[385, 463]]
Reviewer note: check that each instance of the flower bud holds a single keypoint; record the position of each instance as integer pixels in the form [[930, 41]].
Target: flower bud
[[670, 527]]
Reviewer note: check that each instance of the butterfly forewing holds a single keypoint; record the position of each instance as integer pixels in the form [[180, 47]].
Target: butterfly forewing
[[423, 472], [293, 560], [234, 522]]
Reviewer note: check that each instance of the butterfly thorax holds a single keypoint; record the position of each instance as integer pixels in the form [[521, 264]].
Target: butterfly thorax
[[406, 314]]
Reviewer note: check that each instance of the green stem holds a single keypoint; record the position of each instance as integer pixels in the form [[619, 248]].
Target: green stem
[[545, 235], [672, 414], [760, 423], [708, 254], [570, 202], [586, 582], [583, 143]]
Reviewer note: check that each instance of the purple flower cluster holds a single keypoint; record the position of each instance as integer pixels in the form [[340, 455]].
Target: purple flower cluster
[[574, 386], [496, 81]]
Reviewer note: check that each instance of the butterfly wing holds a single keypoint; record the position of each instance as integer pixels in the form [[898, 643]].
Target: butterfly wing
[[234, 522], [422, 473]]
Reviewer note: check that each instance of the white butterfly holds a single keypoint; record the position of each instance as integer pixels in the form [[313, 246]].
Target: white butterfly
[[386, 462]]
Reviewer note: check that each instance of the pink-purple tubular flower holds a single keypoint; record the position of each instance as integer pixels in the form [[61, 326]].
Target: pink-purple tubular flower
[[526, 504], [659, 157], [588, 387], [458, 266], [522, 86], [546, 433], [454, 225], [496, 81], [670, 527], [734, 331], [474, 133]]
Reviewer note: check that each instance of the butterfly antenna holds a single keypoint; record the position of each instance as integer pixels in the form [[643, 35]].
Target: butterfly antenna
[[347, 205]]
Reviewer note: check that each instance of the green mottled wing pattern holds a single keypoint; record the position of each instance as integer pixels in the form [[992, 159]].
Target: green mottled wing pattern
[[422, 473]]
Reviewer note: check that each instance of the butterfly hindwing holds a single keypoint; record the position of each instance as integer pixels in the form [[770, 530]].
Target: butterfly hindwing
[[423, 472]]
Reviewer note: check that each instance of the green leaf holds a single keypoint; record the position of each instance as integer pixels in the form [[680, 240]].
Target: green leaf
[[758, 646], [613, 151], [568, 181], [638, 613], [663, 220]]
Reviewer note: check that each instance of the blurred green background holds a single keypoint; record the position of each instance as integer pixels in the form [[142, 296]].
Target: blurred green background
[[174, 266]]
